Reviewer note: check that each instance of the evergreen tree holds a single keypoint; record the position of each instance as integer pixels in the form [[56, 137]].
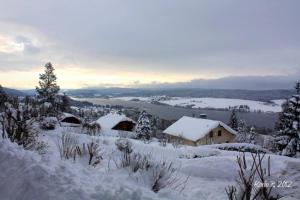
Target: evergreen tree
[[233, 121], [287, 139], [143, 127], [282, 120], [48, 89], [242, 132], [65, 103], [252, 136], [3, 98]]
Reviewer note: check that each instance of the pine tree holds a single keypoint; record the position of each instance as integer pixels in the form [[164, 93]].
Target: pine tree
[[65, 103], [233, 121], [242, 132], [48, 89], [287, 139], [281, 123], [143, 127], [3, 98]]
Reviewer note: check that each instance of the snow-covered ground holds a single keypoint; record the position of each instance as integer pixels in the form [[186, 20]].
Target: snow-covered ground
[[216, 103], [27, 175]]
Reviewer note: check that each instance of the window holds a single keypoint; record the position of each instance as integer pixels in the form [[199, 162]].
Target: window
[[211, 134], [219, 133]]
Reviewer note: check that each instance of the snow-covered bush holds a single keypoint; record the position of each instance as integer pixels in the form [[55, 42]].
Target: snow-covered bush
[[95, 155], [140, 162], [166, 175], [200, 153], [177, 141], [162, 141], [67, 145], [17, 129], [241, 147], [91, 128], [125, 146], [269, 143], [48, 123], [252, 136], [157, 175], [254, 180]]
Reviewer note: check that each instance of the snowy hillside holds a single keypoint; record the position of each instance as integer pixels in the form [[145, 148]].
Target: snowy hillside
[[214, 103], [203, 172]]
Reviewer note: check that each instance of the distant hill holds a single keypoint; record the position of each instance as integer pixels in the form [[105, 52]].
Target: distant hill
[[14, 92], [258, 95], [30, 92]]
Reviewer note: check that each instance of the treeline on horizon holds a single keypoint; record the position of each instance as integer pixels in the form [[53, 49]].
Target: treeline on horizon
[[257, 95]]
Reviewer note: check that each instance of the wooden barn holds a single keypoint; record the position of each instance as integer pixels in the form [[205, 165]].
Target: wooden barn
[[114, 121], [196, 131]]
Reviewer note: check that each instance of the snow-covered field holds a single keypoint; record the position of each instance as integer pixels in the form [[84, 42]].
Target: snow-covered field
[[27, 175], [216, 103]]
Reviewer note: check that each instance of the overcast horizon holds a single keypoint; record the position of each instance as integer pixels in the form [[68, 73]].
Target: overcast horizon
[[196, 44]]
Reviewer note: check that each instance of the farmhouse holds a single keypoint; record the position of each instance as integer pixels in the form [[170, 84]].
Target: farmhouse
[[68, 119], [196, 131], [116, 121]]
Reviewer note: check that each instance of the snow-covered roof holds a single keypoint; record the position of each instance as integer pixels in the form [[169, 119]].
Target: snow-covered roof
[[195, 128], [111, 120], [64, 115]]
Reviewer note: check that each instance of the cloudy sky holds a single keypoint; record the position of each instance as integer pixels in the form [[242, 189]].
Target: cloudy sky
[[131, 43]]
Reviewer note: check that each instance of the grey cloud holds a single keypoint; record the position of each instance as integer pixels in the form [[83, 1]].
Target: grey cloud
[[242, 82], [230, 37]]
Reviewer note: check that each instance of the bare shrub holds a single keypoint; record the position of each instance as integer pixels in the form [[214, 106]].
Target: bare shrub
[[140, 162], [163, 141], [165, 175], [67, 145], [159, 176], [91, 128], [248, 175], [94, 153], [177, 141], [125, 146], [77, 152]]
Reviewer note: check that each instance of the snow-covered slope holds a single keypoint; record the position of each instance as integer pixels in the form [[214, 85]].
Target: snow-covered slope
[[26, 175]]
